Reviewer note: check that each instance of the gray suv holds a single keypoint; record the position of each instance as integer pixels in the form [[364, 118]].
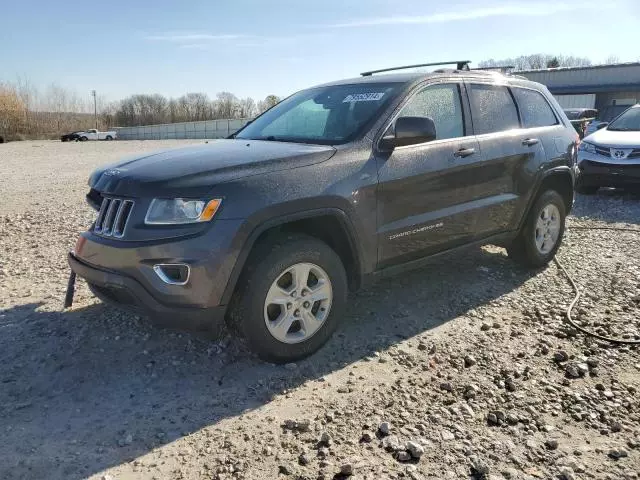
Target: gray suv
[[336, 186]]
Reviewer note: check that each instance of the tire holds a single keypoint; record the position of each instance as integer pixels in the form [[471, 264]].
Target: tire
[[109, 137], [524, 248], [271, 262], [83, 139], [591, 190]]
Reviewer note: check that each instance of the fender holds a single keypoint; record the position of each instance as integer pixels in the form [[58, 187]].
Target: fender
[[559, 170], [248, 244]]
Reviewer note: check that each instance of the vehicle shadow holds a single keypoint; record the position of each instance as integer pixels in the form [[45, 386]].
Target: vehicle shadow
[[85, 390]]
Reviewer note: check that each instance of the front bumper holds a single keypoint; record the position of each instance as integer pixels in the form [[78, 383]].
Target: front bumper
[[599, 171], [122, 272], [128, 294]]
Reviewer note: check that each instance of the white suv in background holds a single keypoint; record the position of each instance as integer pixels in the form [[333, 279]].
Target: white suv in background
[[610, 157]]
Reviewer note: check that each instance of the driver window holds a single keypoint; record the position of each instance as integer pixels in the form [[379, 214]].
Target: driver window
[[442, 104]]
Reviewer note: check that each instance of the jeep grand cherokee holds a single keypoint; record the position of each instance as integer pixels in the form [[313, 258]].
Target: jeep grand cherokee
[[335, 186]]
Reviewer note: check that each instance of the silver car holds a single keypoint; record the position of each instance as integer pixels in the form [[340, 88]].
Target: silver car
[[610, 157]]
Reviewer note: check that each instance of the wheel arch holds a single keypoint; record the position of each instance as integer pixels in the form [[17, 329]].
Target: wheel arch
[[331, 225], [560, 179]]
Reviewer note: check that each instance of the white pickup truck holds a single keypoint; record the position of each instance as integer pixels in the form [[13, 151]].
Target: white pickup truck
[[94, 134]]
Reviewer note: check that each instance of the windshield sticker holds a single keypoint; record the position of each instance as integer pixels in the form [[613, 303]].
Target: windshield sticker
[[363, 97]]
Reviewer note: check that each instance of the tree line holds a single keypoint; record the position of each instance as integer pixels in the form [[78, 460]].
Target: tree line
[[539, 61], [143, 109], [27, 112]]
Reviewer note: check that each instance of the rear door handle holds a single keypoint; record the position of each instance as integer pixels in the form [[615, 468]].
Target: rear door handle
[[464, 152], [530, 141]]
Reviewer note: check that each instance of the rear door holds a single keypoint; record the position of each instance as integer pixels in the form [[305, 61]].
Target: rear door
[[423, 189], [540, 121], [511, 154]]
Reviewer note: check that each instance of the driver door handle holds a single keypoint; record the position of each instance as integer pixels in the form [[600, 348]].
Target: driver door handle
[[530, 141], [464, 152]]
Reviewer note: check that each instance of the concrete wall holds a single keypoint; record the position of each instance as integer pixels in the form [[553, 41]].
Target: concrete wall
[[577, 101], [204, 129]]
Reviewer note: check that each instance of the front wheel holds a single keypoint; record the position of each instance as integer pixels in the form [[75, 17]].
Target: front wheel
[[542, 232], [291, 298], [83, 139]]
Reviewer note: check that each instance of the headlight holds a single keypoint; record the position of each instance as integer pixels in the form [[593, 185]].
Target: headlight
[[176, 211], [587, 147]]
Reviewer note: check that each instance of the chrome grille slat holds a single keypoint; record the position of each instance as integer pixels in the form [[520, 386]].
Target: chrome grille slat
[[113, 217], [108, 218], [103, 209]]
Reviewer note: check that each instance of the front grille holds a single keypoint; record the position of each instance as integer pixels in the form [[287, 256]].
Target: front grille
[[635, 153], [113, 216], [603, 151]]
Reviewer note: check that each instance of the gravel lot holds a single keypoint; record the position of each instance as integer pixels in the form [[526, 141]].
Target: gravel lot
[[464, 369]]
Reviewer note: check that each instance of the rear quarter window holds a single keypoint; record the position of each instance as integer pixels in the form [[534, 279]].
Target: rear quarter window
[[534, 108], [492, 109]]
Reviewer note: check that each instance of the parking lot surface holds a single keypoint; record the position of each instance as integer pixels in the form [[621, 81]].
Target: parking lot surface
[[470, 358]]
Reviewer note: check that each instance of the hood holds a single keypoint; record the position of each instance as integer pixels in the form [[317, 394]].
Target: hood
[[608, 138], [200, 167]]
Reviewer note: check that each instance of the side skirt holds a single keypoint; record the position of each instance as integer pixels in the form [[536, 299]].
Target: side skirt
[[500, 239]]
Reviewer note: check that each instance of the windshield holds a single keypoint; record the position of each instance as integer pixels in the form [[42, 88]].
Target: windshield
[[629, 121], [325, 115]]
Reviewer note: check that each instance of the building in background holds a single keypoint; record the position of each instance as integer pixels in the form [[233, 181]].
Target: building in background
[[608, 88]]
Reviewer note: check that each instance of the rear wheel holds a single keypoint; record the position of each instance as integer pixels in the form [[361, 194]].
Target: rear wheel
[[109, 137], [541, 235], [291, 296]]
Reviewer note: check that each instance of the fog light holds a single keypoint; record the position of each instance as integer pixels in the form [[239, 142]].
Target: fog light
[[173, 273]]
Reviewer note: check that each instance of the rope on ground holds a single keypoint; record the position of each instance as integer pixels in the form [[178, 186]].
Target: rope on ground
[[578, 293]]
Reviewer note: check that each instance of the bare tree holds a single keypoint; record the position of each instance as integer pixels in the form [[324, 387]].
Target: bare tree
[[611, 59], [537, 61], [11, 111], [247, 108], [267, 103], [227, 105]]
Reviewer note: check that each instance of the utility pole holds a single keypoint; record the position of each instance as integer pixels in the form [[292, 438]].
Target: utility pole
[[95, 107]]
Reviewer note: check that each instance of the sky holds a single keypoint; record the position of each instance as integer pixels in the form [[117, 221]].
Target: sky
[[260, 47]]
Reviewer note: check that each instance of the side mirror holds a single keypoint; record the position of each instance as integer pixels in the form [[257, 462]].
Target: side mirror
[[410, 131], [602, 125]]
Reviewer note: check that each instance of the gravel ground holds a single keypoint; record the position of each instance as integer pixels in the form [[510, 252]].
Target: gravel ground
[[464, 369]]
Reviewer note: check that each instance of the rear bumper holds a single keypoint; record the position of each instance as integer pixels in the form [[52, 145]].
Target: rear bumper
[[600, 174], [129, 294]]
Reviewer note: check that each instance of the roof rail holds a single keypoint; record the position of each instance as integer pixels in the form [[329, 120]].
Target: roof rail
[[460, 65], [502, 69]]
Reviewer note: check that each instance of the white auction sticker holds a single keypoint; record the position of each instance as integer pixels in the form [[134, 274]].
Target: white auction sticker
[[363, 97]]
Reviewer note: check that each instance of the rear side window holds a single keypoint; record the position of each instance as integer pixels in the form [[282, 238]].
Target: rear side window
[[442, 104], [534, 108], [492, 109]]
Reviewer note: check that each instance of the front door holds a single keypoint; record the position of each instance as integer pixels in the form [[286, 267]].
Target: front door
[[423, 201]]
